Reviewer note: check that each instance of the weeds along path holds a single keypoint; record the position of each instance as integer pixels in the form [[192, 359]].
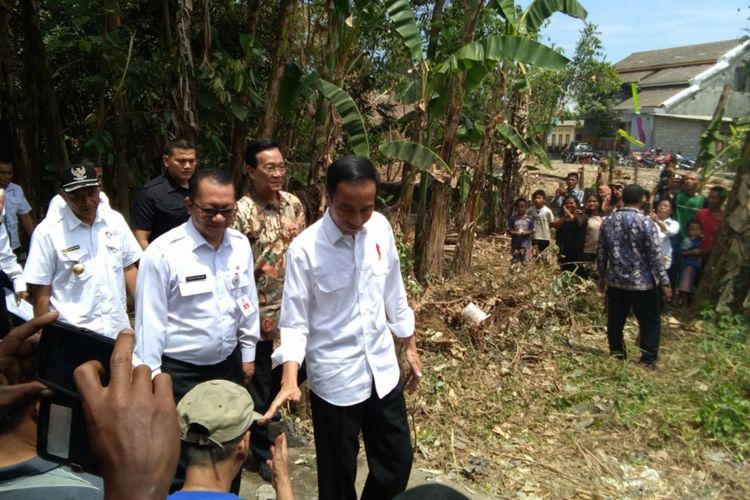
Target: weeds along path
[[528, 404]]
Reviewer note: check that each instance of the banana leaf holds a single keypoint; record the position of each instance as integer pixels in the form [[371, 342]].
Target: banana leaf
[[540, 10], [629, 138], [351, 119], [529, 148], [507, 9], [421, 157], [403, 18], [504, 47]]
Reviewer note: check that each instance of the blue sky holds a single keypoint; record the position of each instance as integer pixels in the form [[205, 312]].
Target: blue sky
[[629, 26]]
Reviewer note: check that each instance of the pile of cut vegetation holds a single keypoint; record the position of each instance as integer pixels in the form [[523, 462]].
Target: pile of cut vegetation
[[528, 403]]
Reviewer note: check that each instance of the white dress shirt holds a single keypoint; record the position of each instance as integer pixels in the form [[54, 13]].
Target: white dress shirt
[[95, 297], [194, 303], [343, 297], [665, 239], [15, 203], [57, 202], [8, 262]]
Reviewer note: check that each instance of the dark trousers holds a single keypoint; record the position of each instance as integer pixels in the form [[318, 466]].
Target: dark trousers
[[185, 376], [646, 305], [4, 316], [385, 432]]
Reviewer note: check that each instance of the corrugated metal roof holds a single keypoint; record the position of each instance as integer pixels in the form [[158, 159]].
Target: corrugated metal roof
[[686, 55], [650, 97]]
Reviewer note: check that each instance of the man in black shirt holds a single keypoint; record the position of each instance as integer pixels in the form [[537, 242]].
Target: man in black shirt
[[160, 205]]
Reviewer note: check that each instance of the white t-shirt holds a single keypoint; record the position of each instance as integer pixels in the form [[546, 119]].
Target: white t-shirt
[[542, 217]]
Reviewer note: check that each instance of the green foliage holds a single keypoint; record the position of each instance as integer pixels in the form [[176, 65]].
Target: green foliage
[[505, 47], [421, 157], [725, 411], [405, 24], [351, 119], [540, 10]]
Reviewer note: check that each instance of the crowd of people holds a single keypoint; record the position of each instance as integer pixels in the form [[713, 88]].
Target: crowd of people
[[633, 241], [223, 289]]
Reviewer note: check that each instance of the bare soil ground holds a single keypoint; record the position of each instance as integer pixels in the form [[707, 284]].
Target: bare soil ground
[[529, 405]]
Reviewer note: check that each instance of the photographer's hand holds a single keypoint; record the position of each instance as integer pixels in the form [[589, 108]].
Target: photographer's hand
[[132, 424], [17, 359]]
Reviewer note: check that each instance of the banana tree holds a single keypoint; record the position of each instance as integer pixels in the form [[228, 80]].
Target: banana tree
[[512, 50]]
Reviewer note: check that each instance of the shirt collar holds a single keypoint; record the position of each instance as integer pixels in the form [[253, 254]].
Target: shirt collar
[[332, 231], [173, 186], [197, 238], [262, 202], [71, 219]]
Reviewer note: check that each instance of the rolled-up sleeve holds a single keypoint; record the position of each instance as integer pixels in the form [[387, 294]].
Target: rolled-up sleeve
[[399, 316], [151, 313], [249, 332], [294, 321]]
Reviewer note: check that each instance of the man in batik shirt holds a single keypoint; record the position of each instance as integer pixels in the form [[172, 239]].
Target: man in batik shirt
[[270, 218]]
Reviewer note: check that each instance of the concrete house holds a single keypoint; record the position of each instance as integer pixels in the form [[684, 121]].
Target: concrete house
[[679, 90]]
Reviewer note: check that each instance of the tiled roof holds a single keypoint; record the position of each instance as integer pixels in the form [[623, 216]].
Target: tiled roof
[[685, 56], [681, 75], [650, 97]]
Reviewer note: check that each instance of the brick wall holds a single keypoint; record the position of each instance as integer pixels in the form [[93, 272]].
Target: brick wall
[[678, 135]]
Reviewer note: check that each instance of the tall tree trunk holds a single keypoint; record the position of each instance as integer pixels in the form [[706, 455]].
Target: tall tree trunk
[[240, 129], [469, 214], [267, 126], [513, 168], [436, 224], [36, 57], [726, 279], [184, 94], [320, 156], [421, 121], [9, 105]]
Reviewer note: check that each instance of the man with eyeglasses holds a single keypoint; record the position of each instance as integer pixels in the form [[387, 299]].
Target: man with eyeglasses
[[159, 206], [271, 219], [82, 258], [196, 306]]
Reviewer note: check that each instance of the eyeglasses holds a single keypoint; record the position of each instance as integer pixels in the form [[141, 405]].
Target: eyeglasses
[[213, 212], [275, 169]]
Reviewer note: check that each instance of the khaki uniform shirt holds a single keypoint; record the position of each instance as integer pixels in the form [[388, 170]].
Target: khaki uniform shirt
[[270, 231]]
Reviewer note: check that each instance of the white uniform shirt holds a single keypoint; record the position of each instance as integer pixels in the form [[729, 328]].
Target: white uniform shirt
[[15, 204], [8, 262], [57, 202], [665, 239], [343, 297], [95, 298], [194, 303]]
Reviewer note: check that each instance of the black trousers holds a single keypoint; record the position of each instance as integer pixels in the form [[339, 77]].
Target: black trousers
[[185, 375], [385, 431], [264, 387], [646, 305], [4, 316]]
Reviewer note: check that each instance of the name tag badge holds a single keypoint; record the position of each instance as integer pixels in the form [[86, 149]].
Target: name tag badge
[[246, 307], [195, 284]]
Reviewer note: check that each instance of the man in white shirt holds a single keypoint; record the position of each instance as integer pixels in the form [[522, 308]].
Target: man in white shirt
[[196, 306], [343, 301], [10, 270], [83, 260], [16, 206]]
